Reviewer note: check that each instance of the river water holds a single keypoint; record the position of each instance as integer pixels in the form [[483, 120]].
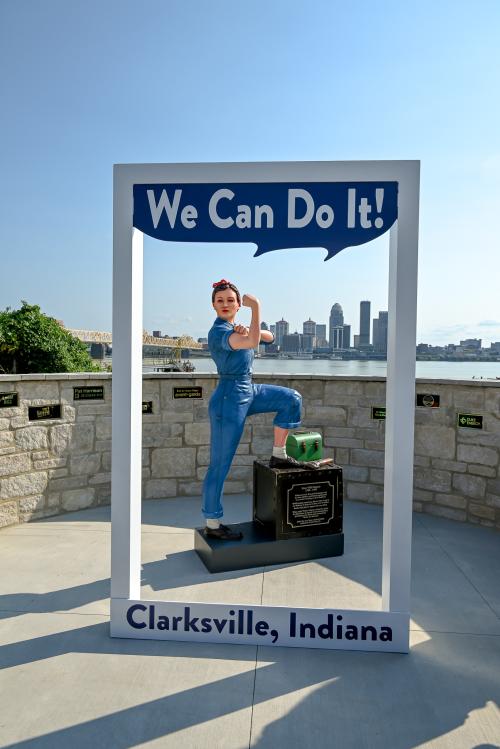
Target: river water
[[438, 370]]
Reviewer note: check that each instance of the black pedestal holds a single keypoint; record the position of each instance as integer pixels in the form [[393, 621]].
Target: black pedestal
[[259, 548], [297, 516], [295, 502]]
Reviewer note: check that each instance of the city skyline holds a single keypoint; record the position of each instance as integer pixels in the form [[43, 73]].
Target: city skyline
[[378, 334], [284, 327]]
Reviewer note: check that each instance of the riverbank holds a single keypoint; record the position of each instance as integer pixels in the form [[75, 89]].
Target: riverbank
[[434, 370]]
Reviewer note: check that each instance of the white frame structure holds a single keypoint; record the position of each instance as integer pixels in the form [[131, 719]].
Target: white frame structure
[[131, 617]]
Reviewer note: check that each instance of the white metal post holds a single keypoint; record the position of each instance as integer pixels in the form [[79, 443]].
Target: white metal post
[[127, 394], [400, 400]]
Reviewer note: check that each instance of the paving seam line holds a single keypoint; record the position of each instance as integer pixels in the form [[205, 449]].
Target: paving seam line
[[464, 574]]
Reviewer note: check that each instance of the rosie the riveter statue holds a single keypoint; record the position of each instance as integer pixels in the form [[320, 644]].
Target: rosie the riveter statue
[[236, 397]]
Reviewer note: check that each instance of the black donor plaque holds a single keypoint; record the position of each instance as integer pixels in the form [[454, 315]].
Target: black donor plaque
[[310, 505], [378, 412], [427, 400], [37, 413], [297, 502], [473, 421], [8, 400], [188, 392], [147, 407], [88, 393]]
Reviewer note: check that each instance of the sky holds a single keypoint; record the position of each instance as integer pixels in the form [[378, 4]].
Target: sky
[[86, 84]]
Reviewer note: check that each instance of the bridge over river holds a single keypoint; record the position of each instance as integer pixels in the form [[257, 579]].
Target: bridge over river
[[98, 336]]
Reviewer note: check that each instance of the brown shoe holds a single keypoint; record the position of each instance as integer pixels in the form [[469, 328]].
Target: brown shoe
[[223, 533], [287, 462], [290, 462]]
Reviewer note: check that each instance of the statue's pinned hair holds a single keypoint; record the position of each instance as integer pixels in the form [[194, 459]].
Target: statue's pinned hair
[[222, 285]]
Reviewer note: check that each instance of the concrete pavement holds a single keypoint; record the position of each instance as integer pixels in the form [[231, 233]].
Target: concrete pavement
[[66, 683]]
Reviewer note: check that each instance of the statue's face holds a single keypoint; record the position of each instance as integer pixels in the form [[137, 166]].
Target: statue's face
[[226, 304]]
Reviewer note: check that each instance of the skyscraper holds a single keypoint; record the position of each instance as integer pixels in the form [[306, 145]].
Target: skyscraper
[[308, 342], [336, 321], [383, 322], [309, 327], [346, 338], [336, 337], [364, 324], [380, 333], [292, 342], [321, 341], [281, 330], [337, 315]]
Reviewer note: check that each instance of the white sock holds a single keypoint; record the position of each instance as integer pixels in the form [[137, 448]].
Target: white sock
[[213, 523], [279, 452]]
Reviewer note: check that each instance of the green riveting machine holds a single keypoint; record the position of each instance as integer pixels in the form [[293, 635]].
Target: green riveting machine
[[304, 445]]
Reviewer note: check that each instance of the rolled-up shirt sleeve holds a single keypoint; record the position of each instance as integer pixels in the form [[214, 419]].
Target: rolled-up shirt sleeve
[[224, 340], [219, 338]]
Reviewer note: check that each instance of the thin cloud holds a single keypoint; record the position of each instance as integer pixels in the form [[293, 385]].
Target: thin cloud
[[487, 330]]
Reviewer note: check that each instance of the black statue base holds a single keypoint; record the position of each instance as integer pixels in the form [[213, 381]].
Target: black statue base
[[298, 502], [260, 548]]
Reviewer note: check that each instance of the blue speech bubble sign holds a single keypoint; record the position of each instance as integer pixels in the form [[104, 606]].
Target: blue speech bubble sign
[[273, 215]]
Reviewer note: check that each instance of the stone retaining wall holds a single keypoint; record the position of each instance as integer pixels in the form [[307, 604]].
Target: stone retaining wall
[[56, 465]]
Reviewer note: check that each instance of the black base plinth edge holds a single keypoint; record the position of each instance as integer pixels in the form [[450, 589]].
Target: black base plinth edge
[[258, 549]]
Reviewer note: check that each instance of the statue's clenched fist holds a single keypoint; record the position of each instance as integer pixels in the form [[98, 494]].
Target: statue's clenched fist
[[249, 300]]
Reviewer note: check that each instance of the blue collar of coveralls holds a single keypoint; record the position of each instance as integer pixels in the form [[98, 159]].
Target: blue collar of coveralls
[[220, 321]]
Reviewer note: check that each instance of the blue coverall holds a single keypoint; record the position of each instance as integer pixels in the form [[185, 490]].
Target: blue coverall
[[235, 398]]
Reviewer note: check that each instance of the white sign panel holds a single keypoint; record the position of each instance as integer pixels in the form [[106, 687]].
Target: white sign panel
[[260, 625]]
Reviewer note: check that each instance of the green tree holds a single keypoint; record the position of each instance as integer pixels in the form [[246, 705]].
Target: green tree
[[33, 342]]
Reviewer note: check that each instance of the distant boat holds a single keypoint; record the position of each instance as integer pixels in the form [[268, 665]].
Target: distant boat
[[168, 368], [185, 366], [295, 355]]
